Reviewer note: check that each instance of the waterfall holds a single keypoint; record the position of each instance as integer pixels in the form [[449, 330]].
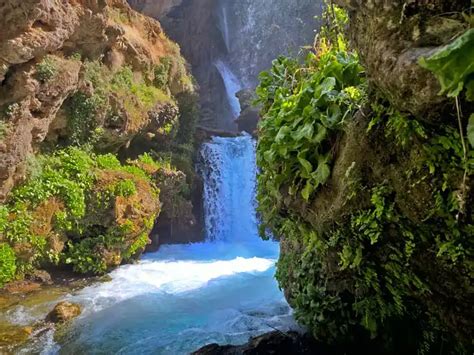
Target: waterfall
[[224, 24], [232, 86], [186, 296], [228, 170]]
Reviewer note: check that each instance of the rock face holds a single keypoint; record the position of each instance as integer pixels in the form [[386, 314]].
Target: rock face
[[64, 312], [249, 115], [48, 50], [276, 343], [79, 79], [375, 218], [244, 35], [392, 36]]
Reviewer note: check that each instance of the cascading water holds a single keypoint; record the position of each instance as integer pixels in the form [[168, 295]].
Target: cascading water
[[229, 174], [186, 296], [224, 24], [232, 86]]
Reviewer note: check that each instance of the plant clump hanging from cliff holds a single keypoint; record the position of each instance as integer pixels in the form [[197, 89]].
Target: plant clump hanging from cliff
[[371, 204], [305, 106]]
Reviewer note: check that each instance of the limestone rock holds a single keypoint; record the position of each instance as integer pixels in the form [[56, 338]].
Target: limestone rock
[[43, 47], [64, 312], [391, 36]]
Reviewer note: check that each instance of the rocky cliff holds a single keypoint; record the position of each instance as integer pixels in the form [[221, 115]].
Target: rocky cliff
[[228, 43], [366, 177], [48, 54], [80, 82]]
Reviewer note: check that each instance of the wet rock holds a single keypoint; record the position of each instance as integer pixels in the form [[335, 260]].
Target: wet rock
[[63, 312], [42, 277], [22, 287], [270, 343], [249, 116], [13, 335]]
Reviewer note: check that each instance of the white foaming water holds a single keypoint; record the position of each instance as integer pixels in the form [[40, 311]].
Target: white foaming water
[[186, 296], [232, 86], [229, 174]]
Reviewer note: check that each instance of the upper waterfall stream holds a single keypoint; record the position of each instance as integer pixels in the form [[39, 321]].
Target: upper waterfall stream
[[185, 296]]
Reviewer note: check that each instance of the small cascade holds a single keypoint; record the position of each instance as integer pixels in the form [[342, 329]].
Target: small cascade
[[228, 170], [224, 24], [232, 86]]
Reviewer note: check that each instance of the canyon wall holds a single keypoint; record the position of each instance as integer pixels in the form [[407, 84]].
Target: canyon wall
[[228, 43]]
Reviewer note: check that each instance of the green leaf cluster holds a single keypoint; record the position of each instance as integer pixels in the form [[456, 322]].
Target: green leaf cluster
[[46, 69], [305, 107], [7, 263], [453, 66], [67, 183], [374, 273]]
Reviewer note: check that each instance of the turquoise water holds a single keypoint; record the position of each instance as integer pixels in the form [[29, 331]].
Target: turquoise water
[[185, 296]]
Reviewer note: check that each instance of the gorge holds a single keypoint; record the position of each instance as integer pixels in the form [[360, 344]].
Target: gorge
[[236, 177]]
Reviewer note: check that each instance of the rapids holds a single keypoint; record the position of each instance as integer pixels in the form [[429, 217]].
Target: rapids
[[185, 296]]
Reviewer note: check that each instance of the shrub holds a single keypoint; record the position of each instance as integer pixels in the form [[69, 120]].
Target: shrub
[[82, 110], [46, 69], [7, 264], [125, 188], [162, 72]]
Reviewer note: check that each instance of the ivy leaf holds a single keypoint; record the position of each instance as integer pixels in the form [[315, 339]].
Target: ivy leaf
[[321, 133], [282, 133], [334, 114], [307, 166], [322, 173], [304, 132], [307, 191], [269, 156], [453, 64], [470, 130]]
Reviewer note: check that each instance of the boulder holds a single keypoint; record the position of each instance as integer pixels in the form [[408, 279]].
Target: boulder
[[275, 342], [63, 312]]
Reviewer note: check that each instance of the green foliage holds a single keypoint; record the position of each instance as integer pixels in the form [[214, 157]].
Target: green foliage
[[46, 69], [123, 82], [453, 66], [84, 256], [138, 245], [7, 264], [162, 72], [124, 188], [82, 111], [87, 111], [67, 184], [375, 271], [188, 104], [304, 108]]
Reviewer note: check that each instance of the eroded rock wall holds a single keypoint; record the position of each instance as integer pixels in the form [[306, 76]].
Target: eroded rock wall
[[44, 49]]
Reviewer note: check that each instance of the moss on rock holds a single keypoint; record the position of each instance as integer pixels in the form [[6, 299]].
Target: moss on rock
[[80, 209]]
